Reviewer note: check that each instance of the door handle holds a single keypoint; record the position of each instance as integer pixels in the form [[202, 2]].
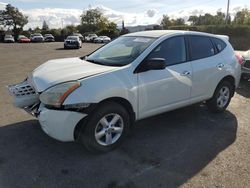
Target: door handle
[[220, 65], [186, 73]]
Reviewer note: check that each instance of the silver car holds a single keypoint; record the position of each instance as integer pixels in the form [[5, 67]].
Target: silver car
[[245, 63], [9, 39]]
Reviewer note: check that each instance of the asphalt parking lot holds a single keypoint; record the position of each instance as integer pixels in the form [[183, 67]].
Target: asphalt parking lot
[[189, 147]]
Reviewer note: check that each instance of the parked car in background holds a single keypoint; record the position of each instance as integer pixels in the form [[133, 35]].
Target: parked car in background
[[72, 42], [79, 35], [23, 39], [90, 37], [37, 37], [49, 38], [245, 63], [9, 39], [96, 98], [102, 39]]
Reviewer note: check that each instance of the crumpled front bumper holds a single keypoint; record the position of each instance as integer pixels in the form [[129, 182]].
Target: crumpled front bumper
[[59, 124]]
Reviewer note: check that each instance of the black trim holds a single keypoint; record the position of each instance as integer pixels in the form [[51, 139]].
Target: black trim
[[87, 110], [188, 55]]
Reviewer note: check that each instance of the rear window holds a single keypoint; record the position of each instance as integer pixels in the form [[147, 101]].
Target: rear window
[[220, 44], [200, 47]]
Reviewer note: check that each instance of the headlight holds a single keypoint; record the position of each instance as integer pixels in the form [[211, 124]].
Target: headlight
[[55, 96]]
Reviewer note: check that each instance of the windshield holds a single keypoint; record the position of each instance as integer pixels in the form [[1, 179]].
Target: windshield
[[121, 51], [71, 38]]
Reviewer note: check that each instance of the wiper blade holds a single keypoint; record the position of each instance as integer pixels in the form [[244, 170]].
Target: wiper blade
[[94, 61]]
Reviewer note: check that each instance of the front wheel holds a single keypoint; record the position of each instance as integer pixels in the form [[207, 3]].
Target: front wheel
[[106, 128], [221, 98]]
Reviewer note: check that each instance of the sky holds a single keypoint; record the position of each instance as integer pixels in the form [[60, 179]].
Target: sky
[[58, 13]]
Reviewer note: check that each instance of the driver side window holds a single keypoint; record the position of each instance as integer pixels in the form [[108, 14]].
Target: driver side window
[[173, 50]]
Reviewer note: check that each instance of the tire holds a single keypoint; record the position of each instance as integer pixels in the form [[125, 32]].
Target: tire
[[221, 98], [99, 123]]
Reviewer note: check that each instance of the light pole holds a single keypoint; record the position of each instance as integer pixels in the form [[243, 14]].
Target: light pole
[[227, 16]]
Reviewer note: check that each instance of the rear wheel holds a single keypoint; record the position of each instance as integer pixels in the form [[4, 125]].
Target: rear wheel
[[106, 128], [221, 98]]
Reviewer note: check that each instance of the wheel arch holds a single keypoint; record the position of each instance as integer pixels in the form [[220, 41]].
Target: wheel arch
[[124, 102], [230, 79]]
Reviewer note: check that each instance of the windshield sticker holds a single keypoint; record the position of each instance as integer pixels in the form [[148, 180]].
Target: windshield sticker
[[144, 40]]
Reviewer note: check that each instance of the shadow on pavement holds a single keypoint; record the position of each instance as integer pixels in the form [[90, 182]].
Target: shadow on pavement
[[67, 49], [244, 88], [163, 151]]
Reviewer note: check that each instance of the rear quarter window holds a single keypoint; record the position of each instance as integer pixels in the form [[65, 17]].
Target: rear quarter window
[[219, 44], [200, 47]]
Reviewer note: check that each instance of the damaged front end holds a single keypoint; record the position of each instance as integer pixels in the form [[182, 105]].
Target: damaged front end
[[25, 96]]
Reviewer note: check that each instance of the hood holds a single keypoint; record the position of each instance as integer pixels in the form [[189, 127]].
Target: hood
[[37, 37], [68, 40], [62, 70]]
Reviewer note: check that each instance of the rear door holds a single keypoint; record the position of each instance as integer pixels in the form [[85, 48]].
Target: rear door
[[206, 65]]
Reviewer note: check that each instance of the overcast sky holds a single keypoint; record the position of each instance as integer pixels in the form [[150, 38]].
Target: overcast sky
[[134, 12]]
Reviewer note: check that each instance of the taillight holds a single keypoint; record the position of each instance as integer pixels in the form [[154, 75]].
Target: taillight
[[240, 58]]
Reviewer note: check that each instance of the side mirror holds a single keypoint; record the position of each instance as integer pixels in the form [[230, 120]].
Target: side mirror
[[153, 64]]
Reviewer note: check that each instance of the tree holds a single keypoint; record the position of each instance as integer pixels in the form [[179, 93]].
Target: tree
[[208, 19], [12, 18], [242, 17], [93, 21], [166, 22], [45, 26], [178, 21], [194, 20], [91, 17]]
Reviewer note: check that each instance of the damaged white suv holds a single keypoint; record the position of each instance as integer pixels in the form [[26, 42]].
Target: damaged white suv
[[95, 99]]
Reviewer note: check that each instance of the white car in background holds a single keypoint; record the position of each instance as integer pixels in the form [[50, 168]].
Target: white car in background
[[95, 99], [49, 38], [9, 39], [90, 37], [102, 39], [245, 55], [37, 37], [72, 42]]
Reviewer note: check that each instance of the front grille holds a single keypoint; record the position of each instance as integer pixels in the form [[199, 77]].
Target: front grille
[[247, 64], [22, 89]]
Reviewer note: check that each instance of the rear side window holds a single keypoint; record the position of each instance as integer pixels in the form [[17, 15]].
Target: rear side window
[[200, 47], [220, 45], [172, 49]]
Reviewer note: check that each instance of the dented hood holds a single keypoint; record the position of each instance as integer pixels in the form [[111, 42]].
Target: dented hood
[[62, 70]]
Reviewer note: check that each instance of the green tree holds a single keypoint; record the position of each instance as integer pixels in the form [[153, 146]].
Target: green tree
[[94, 21], [45, 26], [194, 20], [91, 17], [166, 22], [178, 21], [12, 18], [242, 17]]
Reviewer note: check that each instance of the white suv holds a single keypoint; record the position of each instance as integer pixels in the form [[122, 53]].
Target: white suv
[[95, 99]]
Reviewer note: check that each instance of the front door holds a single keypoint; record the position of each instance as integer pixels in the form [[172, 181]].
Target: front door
[[162, 90]]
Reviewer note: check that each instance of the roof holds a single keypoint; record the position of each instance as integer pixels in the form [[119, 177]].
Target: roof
[[160, 33], [153, 33]]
